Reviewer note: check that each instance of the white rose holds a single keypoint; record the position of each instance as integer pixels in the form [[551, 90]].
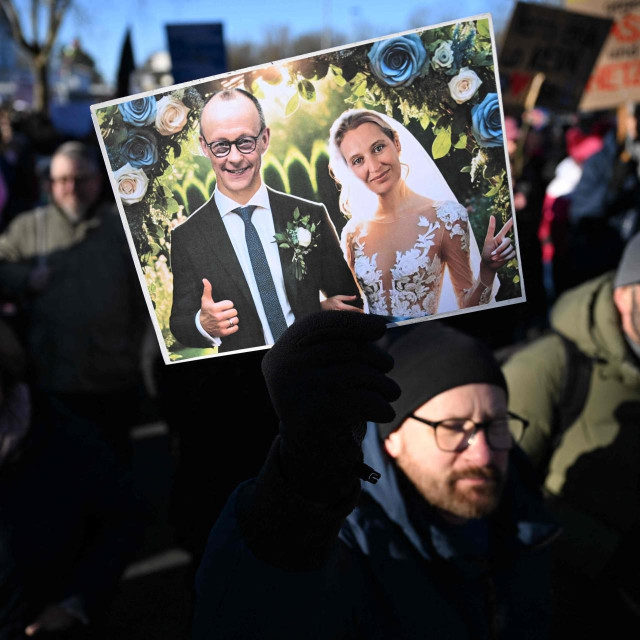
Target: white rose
[[442, 56], [171, 116], [132, 184], [304, 237], [464, 86]]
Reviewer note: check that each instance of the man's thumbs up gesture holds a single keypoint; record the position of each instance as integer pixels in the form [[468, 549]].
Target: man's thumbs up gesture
[[218, 319]]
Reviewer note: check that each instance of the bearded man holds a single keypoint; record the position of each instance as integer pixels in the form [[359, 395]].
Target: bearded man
[[451, 542]]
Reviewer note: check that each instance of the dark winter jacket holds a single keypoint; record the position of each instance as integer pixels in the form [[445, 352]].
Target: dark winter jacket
[[388, 574]]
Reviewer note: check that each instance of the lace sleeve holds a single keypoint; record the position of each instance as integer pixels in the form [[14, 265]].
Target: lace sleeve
[[469, 290]]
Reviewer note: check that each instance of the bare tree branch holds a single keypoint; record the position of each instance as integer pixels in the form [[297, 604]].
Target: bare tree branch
[[57, 13], [39, 51], [35, 27], [17, 32]]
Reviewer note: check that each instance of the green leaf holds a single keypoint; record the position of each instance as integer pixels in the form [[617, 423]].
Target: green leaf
[[425, 120], [466, 169], [492, 192], [307, 90], [337, 71], [256, 90], [296, 214], [482, 59], [462, 143], [358, 78], [360, 89], [280, 237], [429, 36], [339, 80], [284, 245], [172, 207], [292, 105], [483, 28], [313, 227], [117, 137], [516, 279], [442, 144], [167, 192]]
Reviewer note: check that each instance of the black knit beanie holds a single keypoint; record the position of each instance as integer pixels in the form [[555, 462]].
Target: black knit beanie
[[432, 358]]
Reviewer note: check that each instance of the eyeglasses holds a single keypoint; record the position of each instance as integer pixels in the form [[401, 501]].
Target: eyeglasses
[[456, 434], [244, 144]]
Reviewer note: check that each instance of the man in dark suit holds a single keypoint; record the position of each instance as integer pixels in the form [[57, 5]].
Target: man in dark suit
[[234, 287]]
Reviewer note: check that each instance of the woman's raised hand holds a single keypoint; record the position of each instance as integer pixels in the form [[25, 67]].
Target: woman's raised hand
[[497, 249]]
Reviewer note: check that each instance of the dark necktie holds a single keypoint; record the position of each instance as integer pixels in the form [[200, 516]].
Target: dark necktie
[[261, 270]]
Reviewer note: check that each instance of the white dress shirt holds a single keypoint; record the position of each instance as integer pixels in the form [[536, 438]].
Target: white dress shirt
[[263, 222]]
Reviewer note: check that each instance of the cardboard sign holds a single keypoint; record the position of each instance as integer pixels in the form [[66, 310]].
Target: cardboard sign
[[562, 45], [197, 50], [320, 233], [616, 75]]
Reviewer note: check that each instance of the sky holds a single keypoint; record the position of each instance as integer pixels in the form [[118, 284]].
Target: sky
[[101, 26]]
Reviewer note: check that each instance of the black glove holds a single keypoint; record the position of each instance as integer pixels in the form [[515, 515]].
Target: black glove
[[326, 379]]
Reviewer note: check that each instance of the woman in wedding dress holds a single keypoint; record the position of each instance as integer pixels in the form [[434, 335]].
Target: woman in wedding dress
[[405, 223]]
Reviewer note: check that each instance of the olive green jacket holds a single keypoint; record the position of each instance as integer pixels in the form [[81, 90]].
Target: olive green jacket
[[593, 475]]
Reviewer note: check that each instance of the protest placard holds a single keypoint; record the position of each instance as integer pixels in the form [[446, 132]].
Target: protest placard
[[561, 45], [319, 146], [197, 50], [616, 76]]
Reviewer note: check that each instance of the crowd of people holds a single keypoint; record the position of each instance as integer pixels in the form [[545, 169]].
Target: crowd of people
[[473, 477]]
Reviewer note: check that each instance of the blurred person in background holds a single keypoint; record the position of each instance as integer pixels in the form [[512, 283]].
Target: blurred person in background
[[68, 519], [17, 165], [583, 405], [554, 231], [605, 205], [68, 267]]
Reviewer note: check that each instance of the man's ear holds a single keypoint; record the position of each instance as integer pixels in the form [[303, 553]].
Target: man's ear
[[203, 146], [265, 136], [393, 444], [622, 299]]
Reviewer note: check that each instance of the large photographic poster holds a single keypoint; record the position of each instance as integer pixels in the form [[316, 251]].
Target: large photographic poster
[[376, 177]]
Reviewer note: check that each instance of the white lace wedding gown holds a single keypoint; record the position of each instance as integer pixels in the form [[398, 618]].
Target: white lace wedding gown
[[400, 266]]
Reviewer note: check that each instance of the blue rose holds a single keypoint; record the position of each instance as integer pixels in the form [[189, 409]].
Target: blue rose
[[139, 112], [140, 149], [398, 61], [486, 124]]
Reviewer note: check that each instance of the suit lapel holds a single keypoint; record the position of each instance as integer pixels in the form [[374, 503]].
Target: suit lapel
[[219, 251], [282, 208]]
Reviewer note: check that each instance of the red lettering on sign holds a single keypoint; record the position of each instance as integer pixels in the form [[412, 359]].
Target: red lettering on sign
[[615, 76], [627, 29]]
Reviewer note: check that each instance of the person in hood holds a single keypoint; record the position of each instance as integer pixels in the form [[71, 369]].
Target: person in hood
[[589, 466], [422, 523]]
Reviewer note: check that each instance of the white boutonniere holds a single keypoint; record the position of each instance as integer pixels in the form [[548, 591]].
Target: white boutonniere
[[301, 236]]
